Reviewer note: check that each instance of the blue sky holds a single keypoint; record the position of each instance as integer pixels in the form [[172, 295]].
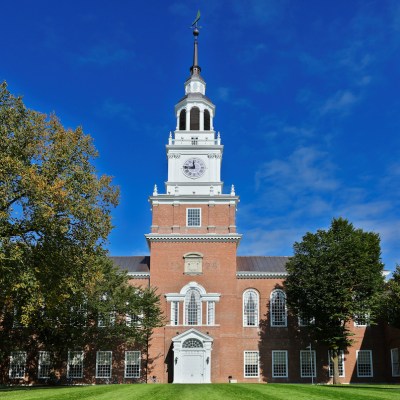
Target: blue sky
[[307, 97]]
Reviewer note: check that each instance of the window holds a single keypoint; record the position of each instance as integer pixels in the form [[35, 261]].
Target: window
[[132, 364], [44, 364], [133, 319], [307, 364], [306, 321], [207, 125], [279, 364], [192, 343], [364, 363], [175, 313], [192, 307], [251, 369], [194, 119], [361, 319], [75, 364], [17, 365], [250, 308], [182, 120], [340, 363], [103, 364], [211, 313], [193, 217], [278, 308], [395, 362]]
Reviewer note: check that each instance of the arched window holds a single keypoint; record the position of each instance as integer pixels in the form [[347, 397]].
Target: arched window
[[278, 308], [192, 307], [192, 343], [207, 125], [250, 308], [194, 119], [182, 120]]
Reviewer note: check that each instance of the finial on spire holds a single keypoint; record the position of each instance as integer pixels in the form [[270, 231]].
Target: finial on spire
[[195, 68], [155, 191]]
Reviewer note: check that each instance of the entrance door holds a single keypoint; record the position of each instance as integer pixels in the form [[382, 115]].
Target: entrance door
[[193, 366]]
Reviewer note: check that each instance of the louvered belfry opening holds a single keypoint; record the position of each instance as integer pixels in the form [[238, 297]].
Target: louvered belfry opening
[[182, 120], [195, 119], [207, 126]]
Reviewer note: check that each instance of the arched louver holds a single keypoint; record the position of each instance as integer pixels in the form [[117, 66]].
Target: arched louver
[[182, 120], [207, 120], [194, 119]]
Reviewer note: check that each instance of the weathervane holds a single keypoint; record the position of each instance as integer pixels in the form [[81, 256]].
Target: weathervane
[[194, 24]]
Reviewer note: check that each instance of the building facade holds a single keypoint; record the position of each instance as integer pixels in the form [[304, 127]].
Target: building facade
[[226, 315]]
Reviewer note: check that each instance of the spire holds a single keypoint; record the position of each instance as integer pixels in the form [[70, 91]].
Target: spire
[[195, 68]]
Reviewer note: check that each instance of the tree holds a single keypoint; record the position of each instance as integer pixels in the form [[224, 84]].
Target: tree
[[333, 277], [55, 217], [391, 300]]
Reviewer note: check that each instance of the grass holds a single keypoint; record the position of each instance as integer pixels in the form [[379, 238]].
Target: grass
[[201, 392]]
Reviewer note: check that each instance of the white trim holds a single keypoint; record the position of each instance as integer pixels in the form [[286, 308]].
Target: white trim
[[260, 275], [286, 364], [135, 352], [176, 237], [19, 367], [274, 325], [108, 362], [340, 358], [139, 275], [44, 356], [258, 364], [257, 317], [312, 362], [395, 370], [370, 363], [80, 356], [187, 217]]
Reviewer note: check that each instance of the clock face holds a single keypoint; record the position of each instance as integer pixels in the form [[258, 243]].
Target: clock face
[[194, 168]]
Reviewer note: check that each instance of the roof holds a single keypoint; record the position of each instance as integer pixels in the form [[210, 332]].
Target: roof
[[133, 264], [270, 264], [265, 264]]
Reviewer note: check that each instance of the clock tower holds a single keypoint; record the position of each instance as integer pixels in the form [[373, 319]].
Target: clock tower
[[193, 244]]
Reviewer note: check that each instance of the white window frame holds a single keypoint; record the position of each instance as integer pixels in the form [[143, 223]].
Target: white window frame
[[306, 322], [44, 364], [361, 320], [199, 306], [251, 353], [274, 294], [17, 365], [275, 355], [341, 369], [132, 364], [75, 358], [210, 312], [361, 374], [310, 366], [187, 217], [174, 313], [246, 315], [395, 361], [103, 369], [109, 321]]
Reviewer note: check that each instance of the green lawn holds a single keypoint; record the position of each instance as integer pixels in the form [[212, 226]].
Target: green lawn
[[205, 392]]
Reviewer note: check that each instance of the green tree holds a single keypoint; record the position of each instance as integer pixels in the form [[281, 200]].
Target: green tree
[[55, 217], [334, 276], [391, 300]]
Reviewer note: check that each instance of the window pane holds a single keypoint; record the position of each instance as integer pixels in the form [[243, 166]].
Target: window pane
[[193, 217], [340, 363], [251, 364], [211, 313], [192, 308], [44, 364], [395, 362], [103, 364], [278, 308], [75, 364], [250, 308], [364, 363], [132, 364], [279, 364], [17, 364], [307, 363]]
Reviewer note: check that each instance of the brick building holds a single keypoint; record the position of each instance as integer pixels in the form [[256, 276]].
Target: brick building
[[226, 315]]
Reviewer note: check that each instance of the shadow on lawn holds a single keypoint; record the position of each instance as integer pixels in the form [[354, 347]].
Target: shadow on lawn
[[22, 388]]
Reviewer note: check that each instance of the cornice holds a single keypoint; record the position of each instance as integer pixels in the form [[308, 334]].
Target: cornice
[[170, 237], [139, 275], [260, 275]]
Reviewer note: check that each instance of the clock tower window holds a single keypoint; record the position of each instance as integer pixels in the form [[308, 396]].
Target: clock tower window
[[194, 119], [182, 120], [207, 125]]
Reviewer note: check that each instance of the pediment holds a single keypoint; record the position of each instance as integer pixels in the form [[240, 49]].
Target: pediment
[[192, 334]]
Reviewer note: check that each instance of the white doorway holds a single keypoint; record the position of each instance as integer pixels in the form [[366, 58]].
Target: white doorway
[[192, 357]]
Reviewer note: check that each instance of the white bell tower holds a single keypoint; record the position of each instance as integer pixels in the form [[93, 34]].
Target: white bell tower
[[194, 149]]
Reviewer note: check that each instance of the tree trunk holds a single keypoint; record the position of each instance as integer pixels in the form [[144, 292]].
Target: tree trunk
[[335, 362]]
